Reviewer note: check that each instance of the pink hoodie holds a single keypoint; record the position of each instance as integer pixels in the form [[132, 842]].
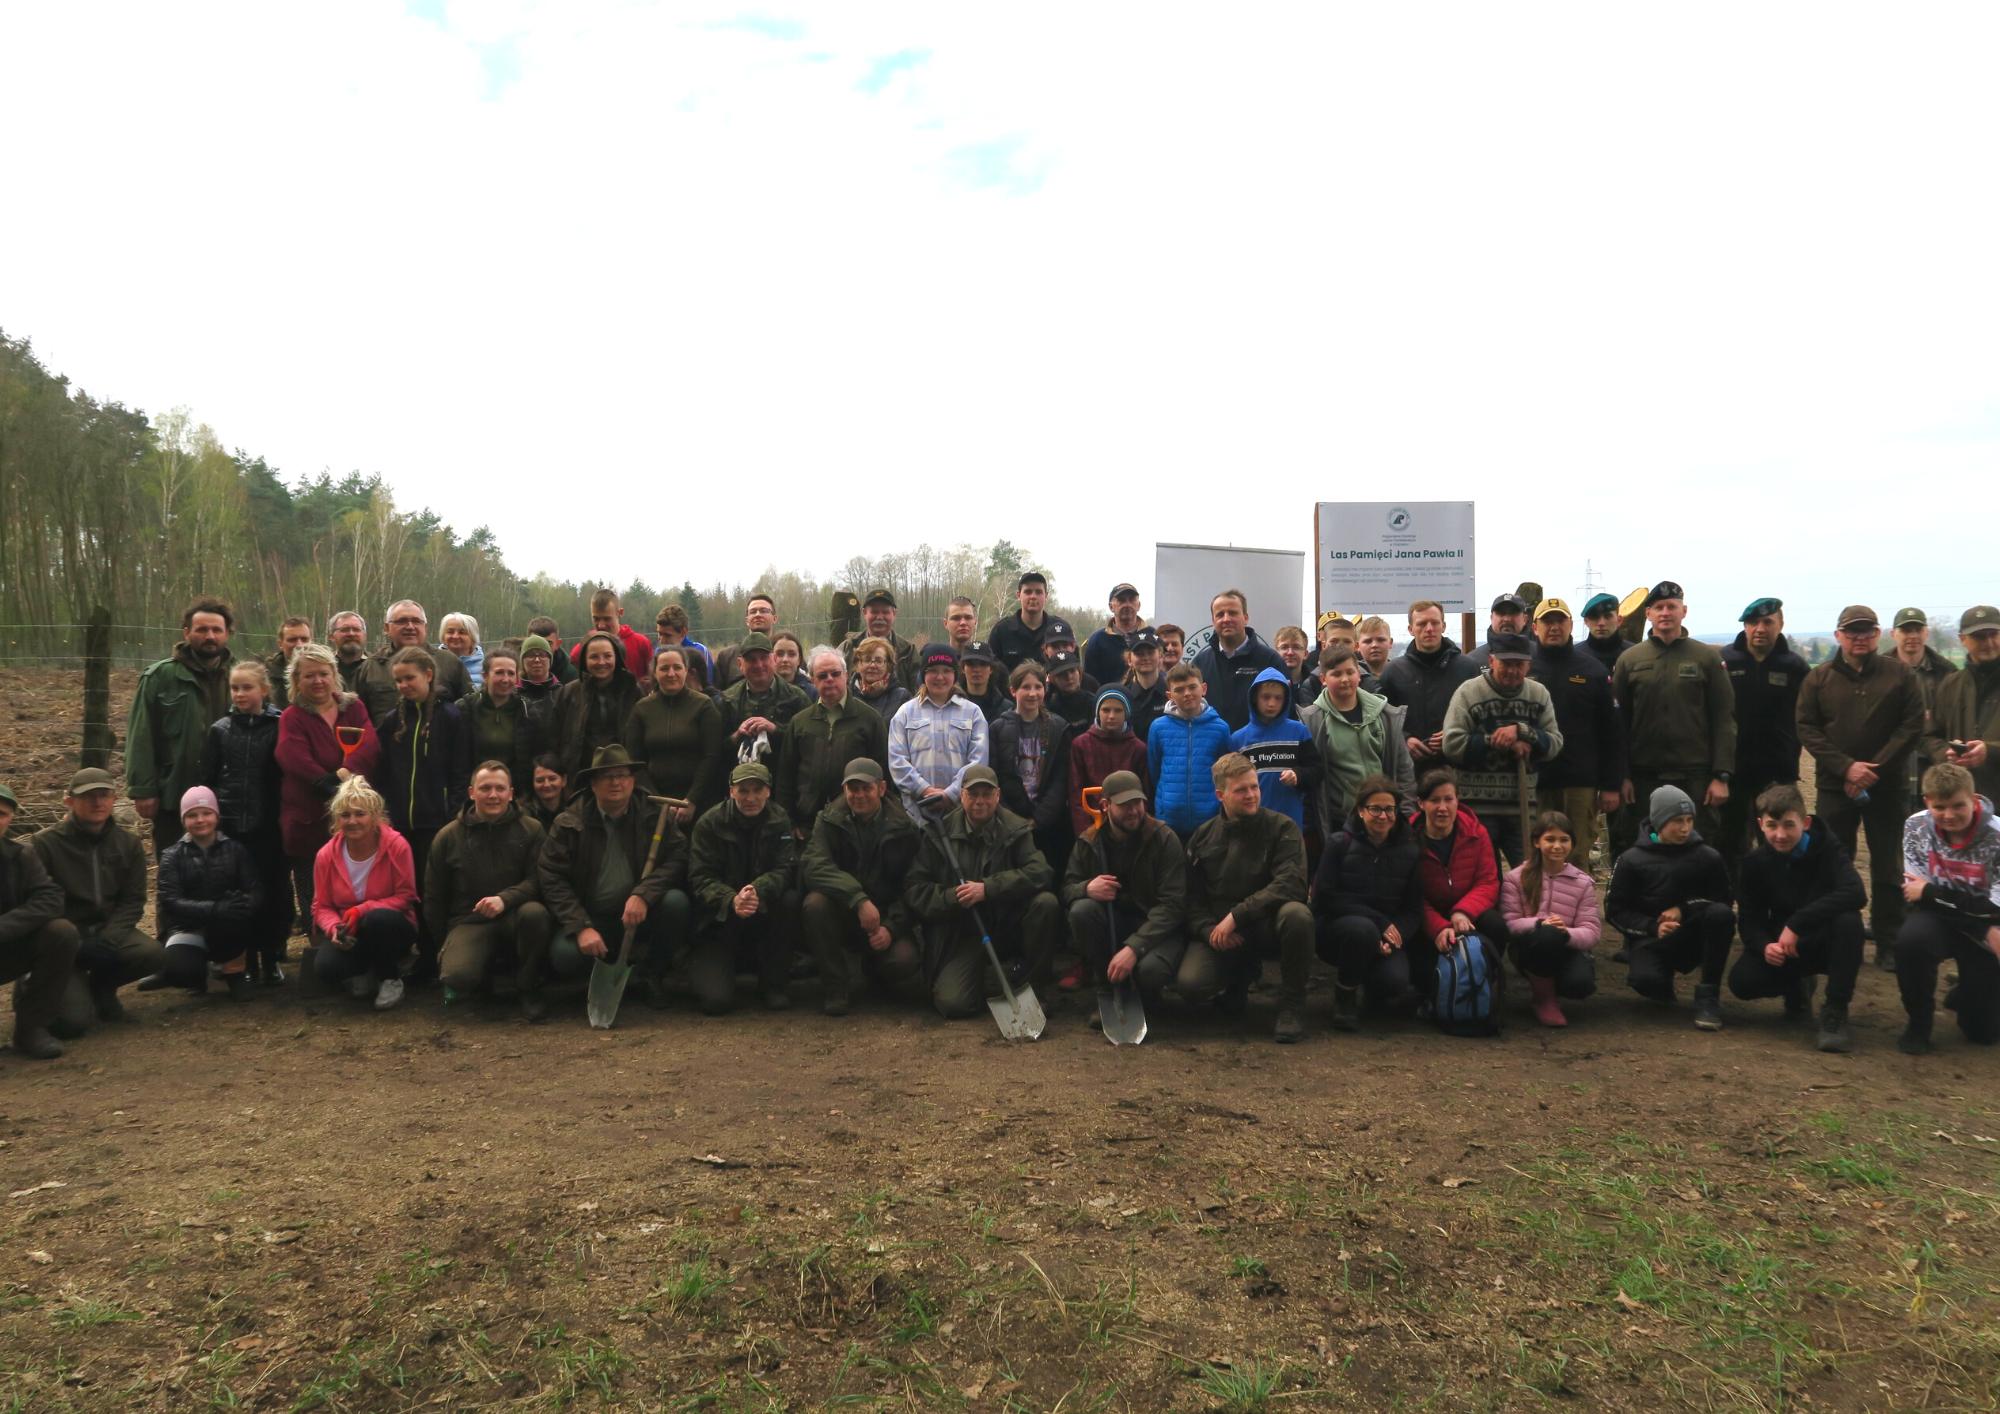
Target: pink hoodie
[[1568, 895], [392, 883]]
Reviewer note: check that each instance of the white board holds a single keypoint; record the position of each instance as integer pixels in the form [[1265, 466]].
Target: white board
[[1186, 577], [1376, 557]]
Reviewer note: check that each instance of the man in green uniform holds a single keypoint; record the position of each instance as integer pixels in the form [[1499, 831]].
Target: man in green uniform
[[1136, 865], [37, 944], [818, 745], [1680, 716], [855, 865], [178, 699], [102, 872], [746, 904], [482, 894]]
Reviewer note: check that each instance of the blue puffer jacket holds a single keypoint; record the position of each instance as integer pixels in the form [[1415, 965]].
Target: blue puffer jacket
[[1179, 755], [1279, 744]]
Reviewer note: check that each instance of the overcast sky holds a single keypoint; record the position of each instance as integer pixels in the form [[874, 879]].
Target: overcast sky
[[1707, 293]]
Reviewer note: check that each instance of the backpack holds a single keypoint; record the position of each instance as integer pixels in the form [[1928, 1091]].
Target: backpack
[[1468, 989]]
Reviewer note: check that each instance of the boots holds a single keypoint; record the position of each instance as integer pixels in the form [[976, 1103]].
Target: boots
[[36, 1043], [1916, 1037], [1346, 1008], [1707, 1006], [1291, 1026], [1548, 1010], [1833, 1029], [1798, 1000]]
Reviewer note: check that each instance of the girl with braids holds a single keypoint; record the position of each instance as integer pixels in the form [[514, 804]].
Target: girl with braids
[[1028, 748], [1551, 910]]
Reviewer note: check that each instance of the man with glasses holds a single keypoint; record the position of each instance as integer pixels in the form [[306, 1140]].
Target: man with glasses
[[347, 633], [1606, 643], [1861, 714], [819, 744], [760, 615], [407, 626]]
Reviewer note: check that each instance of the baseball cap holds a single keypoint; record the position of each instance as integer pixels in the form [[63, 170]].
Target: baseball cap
[[1121, 786], [1553, 606], [978, 651], [1331, 616], [1122, 588], [1979, 616], [1032, 577], [1857, 616], [1665, 589], [1510, 645], [1912, 615], [1055, 630], [1063, 659], [1600, 601], [755, 641], [1510, 603], [7, 795], [879, 596], [1759, 608], [750, 771], [978, 776], [1143, 638], [863, 768], [937, 655], [90, 778]]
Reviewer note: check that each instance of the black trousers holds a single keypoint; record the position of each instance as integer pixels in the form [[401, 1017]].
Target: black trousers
[[382, 939], [1926, 941], [271, 926], [1882, 820], [1544, 951], [1833, 952], [763, 943], [1702, 941]]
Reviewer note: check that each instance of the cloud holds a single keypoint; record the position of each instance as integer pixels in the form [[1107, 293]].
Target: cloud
[[765, 25], [882, 70], [996, 163]]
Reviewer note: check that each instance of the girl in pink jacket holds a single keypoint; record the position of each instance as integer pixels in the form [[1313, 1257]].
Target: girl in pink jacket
[[1551, 910]]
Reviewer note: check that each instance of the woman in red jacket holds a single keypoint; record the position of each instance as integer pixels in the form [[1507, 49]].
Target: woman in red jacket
[[313, 761], [364, 898], [1461, 880]]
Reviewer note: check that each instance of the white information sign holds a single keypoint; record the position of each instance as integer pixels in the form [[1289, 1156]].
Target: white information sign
[[1375, 557], [1186, 577]]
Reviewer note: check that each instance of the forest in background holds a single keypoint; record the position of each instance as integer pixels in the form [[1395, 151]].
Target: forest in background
[[102, 504]]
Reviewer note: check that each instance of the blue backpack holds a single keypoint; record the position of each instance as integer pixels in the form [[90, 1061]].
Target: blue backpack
[[1468, 989]]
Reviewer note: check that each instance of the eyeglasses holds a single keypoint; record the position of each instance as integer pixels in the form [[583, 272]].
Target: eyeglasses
[[407, 620], [1378, 810]]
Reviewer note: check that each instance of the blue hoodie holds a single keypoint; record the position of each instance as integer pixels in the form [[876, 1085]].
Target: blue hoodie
[[1179, 756], [1278, 744]]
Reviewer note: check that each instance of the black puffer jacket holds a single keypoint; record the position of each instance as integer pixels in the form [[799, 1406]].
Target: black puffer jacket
[[1424, 683], [203, 888], [1800, 891], [1593, 754], [1383, 883], [238, 763], [1654, 877]]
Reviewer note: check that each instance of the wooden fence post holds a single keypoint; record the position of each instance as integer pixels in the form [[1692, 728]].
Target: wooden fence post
[[98, 740]]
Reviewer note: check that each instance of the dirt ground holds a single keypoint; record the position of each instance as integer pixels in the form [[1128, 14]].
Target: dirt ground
[[299, 1204]]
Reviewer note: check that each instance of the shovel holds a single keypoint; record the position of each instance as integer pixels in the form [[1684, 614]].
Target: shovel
[[1019, 1014], [1521, 787], [607, 978], [1122, 1014]]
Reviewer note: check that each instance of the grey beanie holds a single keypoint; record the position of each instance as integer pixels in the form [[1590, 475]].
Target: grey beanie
[[1666, 803]]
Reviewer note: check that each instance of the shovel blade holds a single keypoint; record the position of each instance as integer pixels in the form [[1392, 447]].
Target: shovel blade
[[607, 989], [1123, 1015], [1022, 1020]]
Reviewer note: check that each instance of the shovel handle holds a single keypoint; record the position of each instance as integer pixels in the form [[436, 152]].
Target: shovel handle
[[985, 938], [667, 806]]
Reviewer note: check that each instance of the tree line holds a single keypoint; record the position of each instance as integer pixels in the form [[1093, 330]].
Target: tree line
[[102, 505]]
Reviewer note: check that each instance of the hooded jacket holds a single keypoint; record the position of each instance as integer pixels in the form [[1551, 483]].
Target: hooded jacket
[[1382, 883], [1423, 684], [1278, 744], [426, 766], [1961, 882], [391, 884], [1569, 894], [1229, 675], [1873, 713], [853, 861], [1051, 798], [1479, 708], [1002, 856], [1652, 877], [1247, 869], [1804, 890], [1151, 871], [172, 709], [474, 664], [474, 858], [1094, 754], [309, 755], [1180, 753], [1680, 711], [239, 762], [1350, 752], [573, 856], [1767, 702], [29, 899], [1468, 883], [103, 876], [589, 714], [729, 849], [1579, 686], [199, 889]]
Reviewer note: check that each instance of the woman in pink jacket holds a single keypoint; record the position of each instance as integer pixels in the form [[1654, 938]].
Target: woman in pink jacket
[[1551, 910], [364, 897]]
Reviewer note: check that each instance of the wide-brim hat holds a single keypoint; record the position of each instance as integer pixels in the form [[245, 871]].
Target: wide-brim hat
[[607, 758]]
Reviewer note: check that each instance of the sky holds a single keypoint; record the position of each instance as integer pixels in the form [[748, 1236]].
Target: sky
[[1701, 292]]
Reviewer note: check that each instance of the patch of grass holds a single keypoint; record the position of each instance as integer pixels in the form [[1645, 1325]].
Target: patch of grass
[[79, 1311], [1857, 1165], [691, 1286], [1247, 1267], [1110, 1311], [1247, 1389], [418, 1271], [225, 1195]]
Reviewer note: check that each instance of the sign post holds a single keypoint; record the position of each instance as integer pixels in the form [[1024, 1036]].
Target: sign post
[[1376, 557]]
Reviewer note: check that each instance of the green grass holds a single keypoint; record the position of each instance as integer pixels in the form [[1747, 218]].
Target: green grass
[[1246, 1389], [79, 1311], [1247, 1267]]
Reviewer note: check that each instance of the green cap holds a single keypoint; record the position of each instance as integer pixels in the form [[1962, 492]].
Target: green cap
[[1911, 615], [535, 643], [1121, 786], [755, 641], [750, 771], [863, 768], [978, 776], [90, 778], [7, 795]]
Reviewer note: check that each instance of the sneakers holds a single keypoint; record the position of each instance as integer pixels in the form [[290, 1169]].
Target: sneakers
[[389, 993], [1833, 1030], [1291, 1028], [1707, 1007], [1346, 1008], [1799, 999], [239, 986], [1548, 1010], [36, 1043], [1072, 979], [361, 986], [1916, 1038]]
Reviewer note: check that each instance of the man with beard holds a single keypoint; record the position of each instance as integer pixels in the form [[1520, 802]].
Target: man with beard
[[347, 633], [177, 701], [407, 626]]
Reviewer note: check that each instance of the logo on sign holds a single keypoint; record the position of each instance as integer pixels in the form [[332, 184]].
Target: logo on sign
[[1399, 518], [1197, 641]]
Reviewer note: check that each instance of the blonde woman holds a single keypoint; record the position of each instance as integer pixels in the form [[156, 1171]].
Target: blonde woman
[[364, 897]]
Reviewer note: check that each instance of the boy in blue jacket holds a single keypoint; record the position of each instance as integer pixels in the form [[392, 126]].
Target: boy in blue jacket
[[1280, 746], [1186, 741]]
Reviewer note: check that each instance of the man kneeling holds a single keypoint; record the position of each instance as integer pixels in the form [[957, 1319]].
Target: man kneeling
[[1134, 864], [1951, 877], [853, 872], [594, 876], [1247, 900], [37, 944], [1669, 896], [1799, 907], [481, 894], [747, 908], [1006, 880], [102, 870]]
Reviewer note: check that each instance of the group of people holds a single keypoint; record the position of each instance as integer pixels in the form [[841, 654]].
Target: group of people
[[479, 815]]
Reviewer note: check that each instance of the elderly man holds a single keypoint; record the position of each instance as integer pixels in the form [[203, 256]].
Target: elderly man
[[935, 736], [1965, 724], [1000, 875], [757, 705], [1680, 717], [740, 866], [1498, 723], [1508, 614], [1861, 715], [878, 620], [407, 627], [347, 635], [1017, 638], [760, 615], [1910, 644], [1104, 653], [1135, 864], [600, 876], [37, 944], [817, 748], [101, 870], [1233, 658], [482, 893], [178, 699], [853, 872], [1423, 681], [1584, 781], [1766, 676]]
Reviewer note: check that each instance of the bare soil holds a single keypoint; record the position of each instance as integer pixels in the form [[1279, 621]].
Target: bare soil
[[300, 1204]]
